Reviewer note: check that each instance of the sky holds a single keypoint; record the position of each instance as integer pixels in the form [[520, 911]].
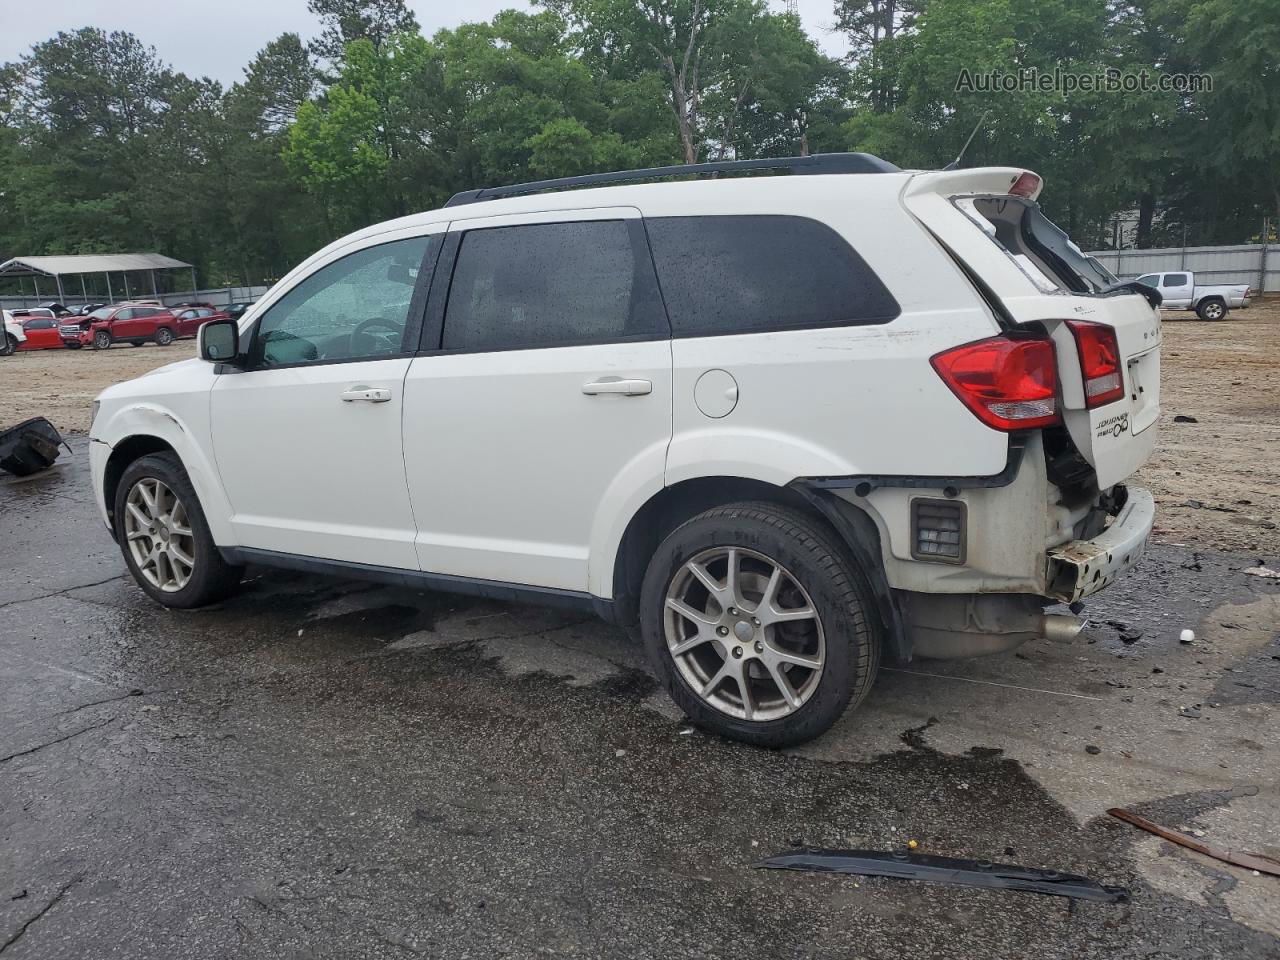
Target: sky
[[216, 39]]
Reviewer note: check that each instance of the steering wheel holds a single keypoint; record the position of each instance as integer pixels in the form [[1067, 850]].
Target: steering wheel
[[373, 322]]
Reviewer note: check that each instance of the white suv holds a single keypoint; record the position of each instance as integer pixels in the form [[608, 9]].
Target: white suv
[[781, 423]]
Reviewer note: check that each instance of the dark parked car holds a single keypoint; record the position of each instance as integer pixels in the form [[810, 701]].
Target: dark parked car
[[59, 310], [236, 310]]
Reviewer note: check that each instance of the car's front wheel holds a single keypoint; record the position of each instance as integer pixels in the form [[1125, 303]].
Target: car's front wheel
[[759, 623], [101, 340], [165, 538]]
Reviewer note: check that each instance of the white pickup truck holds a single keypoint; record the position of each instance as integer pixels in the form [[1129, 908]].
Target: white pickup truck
[[1179, 291]]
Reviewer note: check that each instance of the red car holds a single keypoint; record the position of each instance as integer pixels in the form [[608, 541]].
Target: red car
[[192, 317], [42, 333], [135, 323]]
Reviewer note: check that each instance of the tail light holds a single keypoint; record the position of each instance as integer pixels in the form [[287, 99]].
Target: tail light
[[1099, 362], [1008, 382]]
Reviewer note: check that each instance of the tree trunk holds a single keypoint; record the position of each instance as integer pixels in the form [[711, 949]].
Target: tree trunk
[[1146, 214]]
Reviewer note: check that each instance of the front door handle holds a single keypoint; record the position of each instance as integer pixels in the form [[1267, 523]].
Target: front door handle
[[366, 394], [628, 388]]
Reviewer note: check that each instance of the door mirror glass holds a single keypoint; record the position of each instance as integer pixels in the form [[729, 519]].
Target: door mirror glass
[[218, 341]]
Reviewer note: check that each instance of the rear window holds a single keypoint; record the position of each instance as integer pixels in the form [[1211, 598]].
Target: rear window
[[1175, 279], [750, 274], [1039, 247]]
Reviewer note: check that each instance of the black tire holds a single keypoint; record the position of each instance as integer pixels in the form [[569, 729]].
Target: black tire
[[71, 346], [136, 343], [164, 337], [822, 566], [102, 340], [212, 578], [9, 345], [1212, 309]]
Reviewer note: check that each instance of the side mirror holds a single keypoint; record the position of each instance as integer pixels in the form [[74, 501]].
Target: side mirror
[[218, 341]]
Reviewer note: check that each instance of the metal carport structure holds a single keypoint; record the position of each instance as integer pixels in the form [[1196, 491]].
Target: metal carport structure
[[58, 267]]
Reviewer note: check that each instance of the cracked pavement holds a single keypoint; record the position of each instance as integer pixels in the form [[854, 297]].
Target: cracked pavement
[[322, 768]]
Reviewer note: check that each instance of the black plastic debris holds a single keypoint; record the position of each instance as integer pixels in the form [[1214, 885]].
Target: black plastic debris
[[30, 447], [965, 873]]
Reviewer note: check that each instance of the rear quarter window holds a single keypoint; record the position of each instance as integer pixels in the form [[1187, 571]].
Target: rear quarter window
[[755, 273]]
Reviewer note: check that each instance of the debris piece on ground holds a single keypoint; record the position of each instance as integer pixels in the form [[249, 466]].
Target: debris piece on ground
[[1265, 572], [965, 873], [1093, 749], [1187, 636], [30, 447], [1183, 418], [1250, 861], [1193, 504], [1191, 713]]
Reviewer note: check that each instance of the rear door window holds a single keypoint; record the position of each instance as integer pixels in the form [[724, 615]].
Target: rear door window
[[751, 274], [552, 284]]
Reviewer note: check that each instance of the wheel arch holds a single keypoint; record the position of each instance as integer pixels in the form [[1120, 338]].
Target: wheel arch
[[673, 505], [122, 454], [140, 429]]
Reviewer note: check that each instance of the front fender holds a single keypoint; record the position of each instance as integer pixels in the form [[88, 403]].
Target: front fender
[[186, 431]]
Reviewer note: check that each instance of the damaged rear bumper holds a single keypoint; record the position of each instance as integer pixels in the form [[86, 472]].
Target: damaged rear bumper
[[1082, 567]]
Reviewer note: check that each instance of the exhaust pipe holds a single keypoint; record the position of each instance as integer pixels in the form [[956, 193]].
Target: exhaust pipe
[[1059, 627]]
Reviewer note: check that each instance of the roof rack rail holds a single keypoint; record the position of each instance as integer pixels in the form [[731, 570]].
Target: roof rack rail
[[817, 163]]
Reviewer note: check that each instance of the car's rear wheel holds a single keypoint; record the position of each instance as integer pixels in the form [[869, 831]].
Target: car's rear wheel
[[759, 623], [101, 340], [164, 337], [8, 345], [1211, 310], [165, 538]]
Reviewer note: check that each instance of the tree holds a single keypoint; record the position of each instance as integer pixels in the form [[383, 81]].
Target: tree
[[346, 20]]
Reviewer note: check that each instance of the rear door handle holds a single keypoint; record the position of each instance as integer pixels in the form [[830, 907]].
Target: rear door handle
[[366, 394], [628, 388]]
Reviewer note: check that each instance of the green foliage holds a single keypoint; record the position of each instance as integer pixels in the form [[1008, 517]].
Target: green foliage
[[107, 148]]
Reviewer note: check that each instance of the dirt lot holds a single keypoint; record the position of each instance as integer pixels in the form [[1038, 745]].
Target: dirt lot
[[1214, 479]]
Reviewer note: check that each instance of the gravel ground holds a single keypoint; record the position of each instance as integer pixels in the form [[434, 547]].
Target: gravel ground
[[1226, 375]]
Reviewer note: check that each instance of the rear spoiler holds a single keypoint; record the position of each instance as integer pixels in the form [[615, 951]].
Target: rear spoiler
[[980, 181]]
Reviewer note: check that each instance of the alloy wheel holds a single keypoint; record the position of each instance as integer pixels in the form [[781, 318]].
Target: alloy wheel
[[744, 634], [158, 533]]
